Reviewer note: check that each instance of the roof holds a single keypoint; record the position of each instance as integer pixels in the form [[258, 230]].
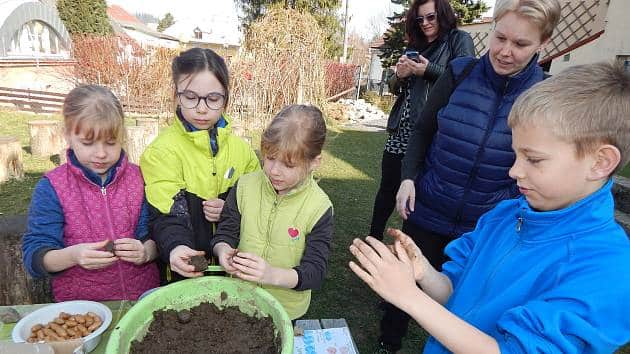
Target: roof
[[128, 21], [216, 28], [377, 43]]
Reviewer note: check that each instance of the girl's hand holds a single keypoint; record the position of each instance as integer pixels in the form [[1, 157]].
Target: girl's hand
[[179, 258], [252, 268], [419, 262], [131, 250], [225, 253], [389, 275], [406, 198], [91, 256], [212, 209]]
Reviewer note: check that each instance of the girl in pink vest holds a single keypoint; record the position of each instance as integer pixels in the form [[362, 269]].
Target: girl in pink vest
[[87, 223]]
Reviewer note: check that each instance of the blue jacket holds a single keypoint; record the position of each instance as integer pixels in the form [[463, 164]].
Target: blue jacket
[[544, 282], [45, 219], [466, 169]]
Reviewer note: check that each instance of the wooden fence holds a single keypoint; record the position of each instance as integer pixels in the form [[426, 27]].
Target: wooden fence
[[52, 102]]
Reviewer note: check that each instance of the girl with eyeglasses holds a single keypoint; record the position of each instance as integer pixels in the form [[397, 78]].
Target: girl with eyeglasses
[[433, 41], [191, 166]]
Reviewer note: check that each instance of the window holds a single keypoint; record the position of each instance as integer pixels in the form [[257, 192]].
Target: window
[[624, 60], [566, 57], [36, 37]]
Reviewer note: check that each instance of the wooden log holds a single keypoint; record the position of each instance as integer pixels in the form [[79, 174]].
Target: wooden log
[[11, 165], [17, 287], [151, 126], [46, 137], [134, 146]]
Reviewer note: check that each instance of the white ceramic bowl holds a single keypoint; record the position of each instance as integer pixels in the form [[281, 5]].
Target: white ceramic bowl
[[22, 329]]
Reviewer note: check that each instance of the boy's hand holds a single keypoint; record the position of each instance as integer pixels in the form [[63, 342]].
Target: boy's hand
[[406, 198], [389, 275], [130, 250], [418, 260], [179, 261], [90, 255], [212, 209], [252, 268], [225, 253]]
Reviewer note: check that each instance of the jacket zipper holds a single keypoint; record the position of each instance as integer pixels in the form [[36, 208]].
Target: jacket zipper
[[272, 218], [112, 237], [473, 309], [473, 172]]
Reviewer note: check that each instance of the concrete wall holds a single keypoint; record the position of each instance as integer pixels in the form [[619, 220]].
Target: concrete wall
[[613, 42], [43, 78]]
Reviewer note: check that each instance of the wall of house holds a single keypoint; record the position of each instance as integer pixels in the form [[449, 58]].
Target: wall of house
[[613, 44], [43, 78]]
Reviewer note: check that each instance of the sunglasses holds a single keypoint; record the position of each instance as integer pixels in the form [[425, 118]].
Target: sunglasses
[[428, 17]]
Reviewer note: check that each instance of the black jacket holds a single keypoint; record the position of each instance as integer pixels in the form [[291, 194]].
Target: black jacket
[[454, 44]]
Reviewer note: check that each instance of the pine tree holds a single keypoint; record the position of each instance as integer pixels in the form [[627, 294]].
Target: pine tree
[[84, 16], [324, 11], [167, 21], [394, 37]]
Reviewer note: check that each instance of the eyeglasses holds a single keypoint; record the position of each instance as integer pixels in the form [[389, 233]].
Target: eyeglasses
[[429, 17], [190, 100]]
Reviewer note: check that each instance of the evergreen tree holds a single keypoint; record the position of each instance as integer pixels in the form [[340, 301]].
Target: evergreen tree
[[84, 16], [167, 21], [394, 37], [324, 11]]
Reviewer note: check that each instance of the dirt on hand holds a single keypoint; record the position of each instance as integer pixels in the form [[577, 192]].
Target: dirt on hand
[[206, 329], [199, 262], [109, 246]]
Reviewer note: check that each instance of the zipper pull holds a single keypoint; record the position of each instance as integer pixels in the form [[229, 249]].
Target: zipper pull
[[519, 223], [103, 191]]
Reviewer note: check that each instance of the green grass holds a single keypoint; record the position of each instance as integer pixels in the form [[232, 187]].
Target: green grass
[[349, 174]]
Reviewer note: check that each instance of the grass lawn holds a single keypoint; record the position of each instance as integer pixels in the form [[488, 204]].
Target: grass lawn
[[349, 174]]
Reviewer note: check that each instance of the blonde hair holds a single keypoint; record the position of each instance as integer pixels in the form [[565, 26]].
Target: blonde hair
[[544, 13], [296, 135], [587, 105], [95, 111]]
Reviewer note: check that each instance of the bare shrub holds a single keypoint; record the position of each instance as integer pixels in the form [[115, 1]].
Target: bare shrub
[[140, 77], [339, 77], [283, 64]]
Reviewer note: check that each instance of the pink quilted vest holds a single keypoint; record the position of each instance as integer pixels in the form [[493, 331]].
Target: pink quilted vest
[[92, 215]]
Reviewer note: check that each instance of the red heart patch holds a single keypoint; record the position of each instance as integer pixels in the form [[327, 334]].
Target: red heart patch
[[293, 232]]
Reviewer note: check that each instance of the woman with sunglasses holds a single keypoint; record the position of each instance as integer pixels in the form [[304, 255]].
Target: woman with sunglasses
[[190, 167], [458, 158], [433, 41]]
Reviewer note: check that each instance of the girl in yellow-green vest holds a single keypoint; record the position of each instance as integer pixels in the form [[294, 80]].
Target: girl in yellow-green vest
[[190, 167], [277, 224]]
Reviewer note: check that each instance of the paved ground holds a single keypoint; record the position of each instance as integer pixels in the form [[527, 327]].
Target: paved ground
[[372, 125]]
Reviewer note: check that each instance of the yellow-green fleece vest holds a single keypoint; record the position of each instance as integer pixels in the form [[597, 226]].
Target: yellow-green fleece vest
[[275, 227]]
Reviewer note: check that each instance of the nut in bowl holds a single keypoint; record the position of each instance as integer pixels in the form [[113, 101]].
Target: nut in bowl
[[85, 320]]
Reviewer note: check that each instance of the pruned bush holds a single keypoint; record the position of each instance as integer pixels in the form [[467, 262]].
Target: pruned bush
[[339, 77]]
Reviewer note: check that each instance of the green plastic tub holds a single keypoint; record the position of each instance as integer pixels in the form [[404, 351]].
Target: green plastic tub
[[250, 299]]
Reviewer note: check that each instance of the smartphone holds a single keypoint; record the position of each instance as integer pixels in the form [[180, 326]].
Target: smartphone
[[413, 55]]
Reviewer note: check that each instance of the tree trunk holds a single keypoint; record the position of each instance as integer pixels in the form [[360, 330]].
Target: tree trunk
[[46, 139], [17, 287], [151, 126], [135, 143], [10, 158]]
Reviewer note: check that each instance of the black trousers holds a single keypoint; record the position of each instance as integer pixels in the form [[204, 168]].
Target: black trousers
[[385, 200], [395, 322]]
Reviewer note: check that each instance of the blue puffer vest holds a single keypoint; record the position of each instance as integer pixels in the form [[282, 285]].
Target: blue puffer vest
[[466, 169]]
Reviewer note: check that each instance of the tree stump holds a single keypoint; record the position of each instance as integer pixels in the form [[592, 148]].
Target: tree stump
[[151, 126], [135, 145], [17, 287], [10, 158], [46, 137]]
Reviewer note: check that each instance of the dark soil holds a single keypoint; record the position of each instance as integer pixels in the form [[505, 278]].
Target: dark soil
[[109, 246], [206, 329], [199, 262]]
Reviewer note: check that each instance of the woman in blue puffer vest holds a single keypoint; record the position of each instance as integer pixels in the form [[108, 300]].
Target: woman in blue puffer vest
[[457, 161]]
